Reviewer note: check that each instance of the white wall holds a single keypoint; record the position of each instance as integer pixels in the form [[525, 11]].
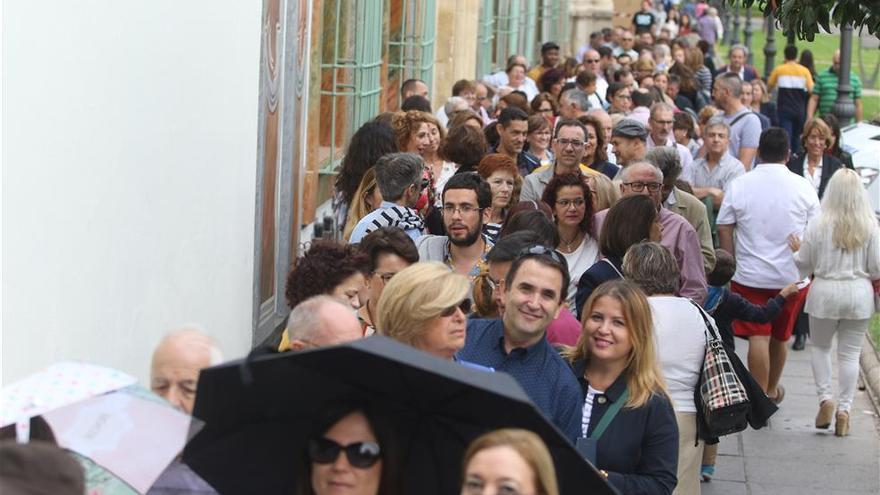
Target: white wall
[[129, 151]]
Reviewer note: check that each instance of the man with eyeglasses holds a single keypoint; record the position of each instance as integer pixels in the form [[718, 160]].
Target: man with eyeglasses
[[568, 147], [533, 293], [677, 234], [467, 204], [513, 128], [629, 141], [660, 133], [399, 179], [627, 40]]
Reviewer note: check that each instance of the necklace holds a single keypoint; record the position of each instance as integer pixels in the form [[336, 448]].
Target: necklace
[[575, 241]]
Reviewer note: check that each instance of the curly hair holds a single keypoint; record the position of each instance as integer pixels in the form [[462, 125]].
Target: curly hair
[[405, 124], [571, 180], [367, 145], [324, 266]]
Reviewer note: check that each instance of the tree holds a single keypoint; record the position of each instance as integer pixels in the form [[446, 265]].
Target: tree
[[804, 18]]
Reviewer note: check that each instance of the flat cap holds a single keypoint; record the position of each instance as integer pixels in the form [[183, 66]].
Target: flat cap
[[630, 128]]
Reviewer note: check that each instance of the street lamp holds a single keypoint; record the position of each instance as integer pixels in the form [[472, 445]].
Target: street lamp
[[747, 31], [734, 37], [770, 47], [844, 107]]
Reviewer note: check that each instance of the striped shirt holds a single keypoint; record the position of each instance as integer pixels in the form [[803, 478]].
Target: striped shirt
[[795, 83], [826, 88]]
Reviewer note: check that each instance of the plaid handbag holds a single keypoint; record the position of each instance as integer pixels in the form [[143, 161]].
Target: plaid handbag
[[724, 398]]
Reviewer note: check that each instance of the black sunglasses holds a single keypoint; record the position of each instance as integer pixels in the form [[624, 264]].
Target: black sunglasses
[[464, 306], [360, 454]]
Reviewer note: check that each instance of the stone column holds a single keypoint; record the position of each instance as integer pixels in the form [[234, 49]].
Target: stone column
[[454, 54], [587, 16]]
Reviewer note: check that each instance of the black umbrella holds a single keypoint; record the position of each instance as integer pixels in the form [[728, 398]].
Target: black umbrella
[[260, 413]]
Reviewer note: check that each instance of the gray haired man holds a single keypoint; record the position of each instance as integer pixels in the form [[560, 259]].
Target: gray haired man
[[399, 179]]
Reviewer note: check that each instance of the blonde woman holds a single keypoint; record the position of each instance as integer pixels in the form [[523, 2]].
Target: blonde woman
[[841, 249], [366, 198], [509, 461], [616, 364], [426, 306], [603, 192]]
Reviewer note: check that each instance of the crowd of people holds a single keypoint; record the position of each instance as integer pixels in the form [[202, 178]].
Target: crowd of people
[[567, 223]]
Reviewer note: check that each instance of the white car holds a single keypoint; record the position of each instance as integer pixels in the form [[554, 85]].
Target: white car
[[862, 141]]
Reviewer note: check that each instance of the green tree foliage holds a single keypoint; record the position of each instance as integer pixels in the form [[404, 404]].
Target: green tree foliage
[[805, 18]]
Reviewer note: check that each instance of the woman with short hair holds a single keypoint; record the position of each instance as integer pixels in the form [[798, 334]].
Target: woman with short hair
[[841, 249], [680, 335], [538, 139], [426, 306], [389, 250], [500, 172], [568, 195], [509, 461], [814, 161], [595, 152]]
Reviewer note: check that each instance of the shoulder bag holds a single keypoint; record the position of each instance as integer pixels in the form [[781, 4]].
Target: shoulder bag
[[725, 402]]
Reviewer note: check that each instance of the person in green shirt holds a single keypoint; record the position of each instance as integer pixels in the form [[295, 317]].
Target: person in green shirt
[[825, 90]]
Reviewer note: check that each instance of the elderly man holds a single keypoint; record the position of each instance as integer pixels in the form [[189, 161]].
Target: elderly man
[[607, 127], [678, 235], [627, 40], [177, 360], [568, 147], [683, 203], [710, 175], [174, 375], [573, 103], [765, 206], [745, 126], [534, 291], [322, 321], [660, 127], [629, 141], [593, 63]]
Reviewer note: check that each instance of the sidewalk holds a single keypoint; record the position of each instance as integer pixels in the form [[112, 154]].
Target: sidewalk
[[790, 456]]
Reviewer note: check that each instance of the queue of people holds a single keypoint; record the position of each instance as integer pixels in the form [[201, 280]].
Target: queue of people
[[569, 224]]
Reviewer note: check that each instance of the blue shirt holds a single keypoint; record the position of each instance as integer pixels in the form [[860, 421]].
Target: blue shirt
[[539, 370]]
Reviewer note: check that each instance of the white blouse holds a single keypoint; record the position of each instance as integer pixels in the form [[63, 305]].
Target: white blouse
[[841, 279], [579, 261]]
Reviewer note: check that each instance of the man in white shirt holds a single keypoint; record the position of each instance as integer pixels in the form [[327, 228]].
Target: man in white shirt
[[765, 206]]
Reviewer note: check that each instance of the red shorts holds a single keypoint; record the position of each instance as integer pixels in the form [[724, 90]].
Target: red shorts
[[781, 326]]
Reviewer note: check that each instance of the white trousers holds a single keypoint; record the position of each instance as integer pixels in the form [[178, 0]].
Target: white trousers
[[850, 335]]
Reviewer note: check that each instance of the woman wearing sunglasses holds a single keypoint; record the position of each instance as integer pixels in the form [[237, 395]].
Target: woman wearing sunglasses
[[426, 306], [354, 454]]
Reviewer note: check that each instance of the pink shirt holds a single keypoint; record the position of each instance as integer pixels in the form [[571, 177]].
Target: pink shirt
[[680, 238], [565, 329]]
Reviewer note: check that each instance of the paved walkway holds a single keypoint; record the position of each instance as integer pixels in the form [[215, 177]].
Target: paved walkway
[[790, 456]]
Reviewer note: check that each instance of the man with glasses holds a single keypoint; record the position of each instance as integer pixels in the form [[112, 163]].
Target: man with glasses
[[629, 141], [627, 40], [467, 204], [825, 90], [660, 132], [533, 293], [677, 235], [388, 251], [568, 147], [399, 179]]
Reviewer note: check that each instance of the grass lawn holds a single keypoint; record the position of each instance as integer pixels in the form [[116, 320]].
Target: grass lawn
[[823, 48]]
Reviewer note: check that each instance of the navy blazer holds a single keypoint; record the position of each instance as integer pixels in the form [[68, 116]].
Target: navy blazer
[[592, 278], [639, 450], [830, 164]]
